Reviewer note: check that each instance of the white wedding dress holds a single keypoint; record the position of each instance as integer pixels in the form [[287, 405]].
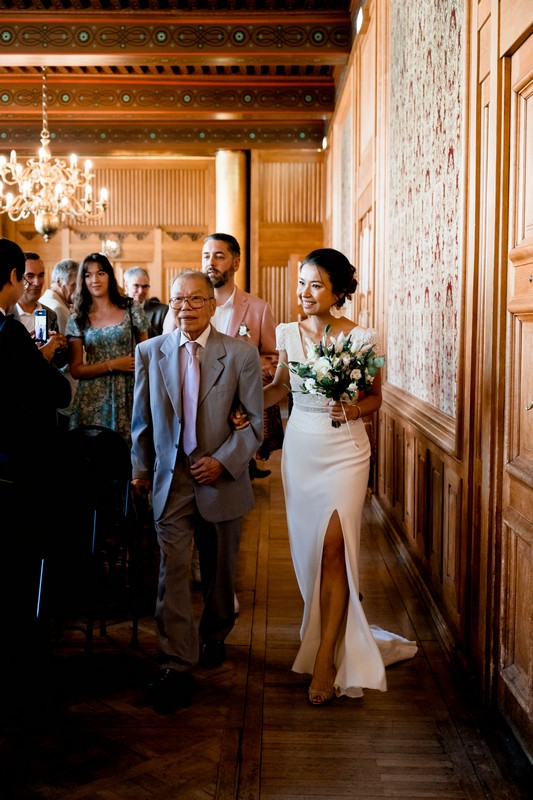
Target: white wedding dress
[[326, 469]]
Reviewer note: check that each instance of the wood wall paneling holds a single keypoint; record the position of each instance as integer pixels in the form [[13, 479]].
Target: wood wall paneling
[[516, 654], [366, 93], [287, 209], [435, 534], [389, 460], [484, 51], [410, 486], [398, 486], [454, 573], [422, 501], [156, 192], [478, 445], [381, 466], [423, 490], [364, 263], [516, 587], [515, 24]]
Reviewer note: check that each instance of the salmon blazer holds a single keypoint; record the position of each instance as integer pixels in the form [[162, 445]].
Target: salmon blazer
[[253, 321]]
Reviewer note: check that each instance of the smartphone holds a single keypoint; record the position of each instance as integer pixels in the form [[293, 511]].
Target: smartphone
[[41, 325]]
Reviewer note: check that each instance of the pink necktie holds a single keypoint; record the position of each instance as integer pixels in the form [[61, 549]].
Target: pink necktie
[[191, 385]]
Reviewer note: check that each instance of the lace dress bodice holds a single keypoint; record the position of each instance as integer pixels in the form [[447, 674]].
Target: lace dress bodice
[[288, 338]]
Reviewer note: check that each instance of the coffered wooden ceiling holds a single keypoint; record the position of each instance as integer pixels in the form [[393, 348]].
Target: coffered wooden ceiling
[[178, 76]]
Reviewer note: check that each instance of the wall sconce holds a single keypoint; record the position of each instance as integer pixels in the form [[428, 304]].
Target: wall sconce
[[111, 248]]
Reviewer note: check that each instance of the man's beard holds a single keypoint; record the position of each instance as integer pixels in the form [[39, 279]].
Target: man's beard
[[217, 279]]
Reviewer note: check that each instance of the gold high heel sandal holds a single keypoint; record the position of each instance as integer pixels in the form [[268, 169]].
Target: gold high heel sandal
[[319, 697]]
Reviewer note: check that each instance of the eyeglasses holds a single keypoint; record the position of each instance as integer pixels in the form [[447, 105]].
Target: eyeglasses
[[140, 286], [28, 281], [194, 301]]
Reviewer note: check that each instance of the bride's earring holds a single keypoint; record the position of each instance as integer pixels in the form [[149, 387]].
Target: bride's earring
[[335, 312]]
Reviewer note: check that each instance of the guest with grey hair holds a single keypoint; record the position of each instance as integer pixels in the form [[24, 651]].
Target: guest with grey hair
[[59, 298], [137, 286]]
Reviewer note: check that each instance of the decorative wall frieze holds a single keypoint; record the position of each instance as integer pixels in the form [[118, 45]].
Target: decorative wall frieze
[[253, 7], [177, 235], [149, 140], [181, 99], [120, 236]]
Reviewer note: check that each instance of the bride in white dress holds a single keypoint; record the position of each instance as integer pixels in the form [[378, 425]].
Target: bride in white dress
[[325, 476]]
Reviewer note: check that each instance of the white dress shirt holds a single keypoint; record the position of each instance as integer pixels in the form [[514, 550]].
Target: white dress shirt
[[221, 318]]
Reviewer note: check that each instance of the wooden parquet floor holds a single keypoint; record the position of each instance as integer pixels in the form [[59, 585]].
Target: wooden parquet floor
[[250, 734]]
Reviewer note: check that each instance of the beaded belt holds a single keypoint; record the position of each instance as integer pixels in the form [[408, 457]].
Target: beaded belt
[[312, 409]]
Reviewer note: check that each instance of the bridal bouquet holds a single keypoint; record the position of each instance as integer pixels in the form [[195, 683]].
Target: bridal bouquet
[[339, 367]]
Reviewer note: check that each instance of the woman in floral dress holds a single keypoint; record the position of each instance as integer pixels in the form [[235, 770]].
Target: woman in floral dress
[[102, 332]]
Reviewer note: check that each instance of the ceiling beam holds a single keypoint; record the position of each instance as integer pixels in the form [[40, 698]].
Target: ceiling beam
[[162, 138], [229, 38]]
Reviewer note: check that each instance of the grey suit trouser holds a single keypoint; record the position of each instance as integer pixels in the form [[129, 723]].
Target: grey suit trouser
[[218, 546]]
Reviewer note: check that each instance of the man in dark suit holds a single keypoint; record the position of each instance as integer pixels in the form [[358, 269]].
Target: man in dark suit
[[204, 494], [137, 286], [31, 391]]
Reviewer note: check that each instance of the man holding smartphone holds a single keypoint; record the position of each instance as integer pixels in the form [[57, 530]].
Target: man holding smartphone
[[28, 304]]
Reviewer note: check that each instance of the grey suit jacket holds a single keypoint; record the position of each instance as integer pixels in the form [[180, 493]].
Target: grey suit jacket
[[230, 374]]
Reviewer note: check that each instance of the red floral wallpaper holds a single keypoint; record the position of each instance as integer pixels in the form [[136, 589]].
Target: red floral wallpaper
[[425, 198]]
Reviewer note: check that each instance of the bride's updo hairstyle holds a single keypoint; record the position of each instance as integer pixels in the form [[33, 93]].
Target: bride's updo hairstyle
[[339, 270]]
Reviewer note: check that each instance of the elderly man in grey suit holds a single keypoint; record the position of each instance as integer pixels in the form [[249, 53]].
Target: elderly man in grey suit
[[200, 488]]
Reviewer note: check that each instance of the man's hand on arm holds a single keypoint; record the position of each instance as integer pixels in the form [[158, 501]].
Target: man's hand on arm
[[207, 470], [239, 419]]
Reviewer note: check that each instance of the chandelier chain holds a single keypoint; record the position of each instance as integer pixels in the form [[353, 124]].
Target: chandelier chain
[[44, 133]]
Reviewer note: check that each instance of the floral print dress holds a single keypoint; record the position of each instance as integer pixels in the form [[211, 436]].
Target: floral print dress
[[108, 399]]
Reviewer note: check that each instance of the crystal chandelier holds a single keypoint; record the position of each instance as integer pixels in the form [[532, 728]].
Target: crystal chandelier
[[48, 188]]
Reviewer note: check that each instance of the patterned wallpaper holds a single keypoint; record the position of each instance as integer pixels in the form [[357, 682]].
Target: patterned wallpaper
[[425, 198], [346, 211]]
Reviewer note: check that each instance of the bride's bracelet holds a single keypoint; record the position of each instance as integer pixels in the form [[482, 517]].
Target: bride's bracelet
[[358, 413]]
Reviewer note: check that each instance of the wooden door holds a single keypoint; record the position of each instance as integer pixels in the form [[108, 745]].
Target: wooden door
[[515, 676]]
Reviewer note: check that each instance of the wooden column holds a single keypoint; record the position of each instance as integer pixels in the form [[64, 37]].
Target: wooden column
[[232, 203]]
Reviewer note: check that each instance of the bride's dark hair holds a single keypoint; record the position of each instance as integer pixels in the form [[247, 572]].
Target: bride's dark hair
[[340, 272]]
